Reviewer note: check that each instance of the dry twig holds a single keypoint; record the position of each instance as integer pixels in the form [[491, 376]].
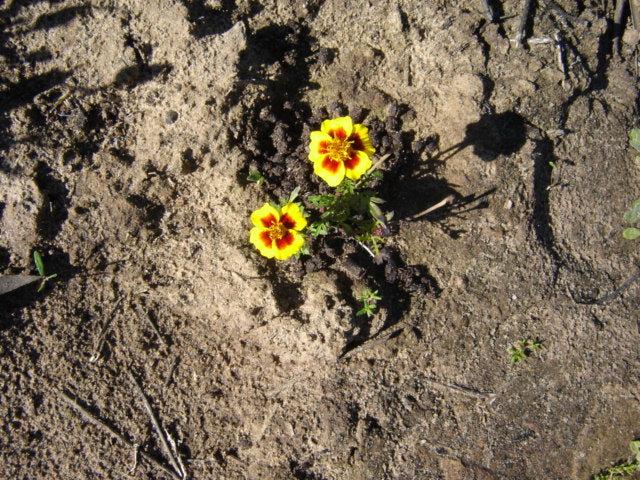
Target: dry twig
[[156, 425], [526, 12], [102, 336], [87, 415]]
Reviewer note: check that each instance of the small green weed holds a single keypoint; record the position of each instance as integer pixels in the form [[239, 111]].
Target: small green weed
[[369, 299], [623, 469], [37, 258], [255, 176], [633, 215], [525, 349]]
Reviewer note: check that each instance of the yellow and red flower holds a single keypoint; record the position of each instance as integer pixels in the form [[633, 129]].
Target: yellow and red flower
[[275, 233], [340, 149]]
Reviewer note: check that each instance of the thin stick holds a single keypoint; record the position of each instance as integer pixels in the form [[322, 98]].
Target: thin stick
[[617, 23], [487, 10], [151, 323], [634, 6], [156, 425], [526, 12], [172, 369], [469, 391], [618, 291], [87, 415], [102, 336], [562, 64], [438, 205], [563, 17]]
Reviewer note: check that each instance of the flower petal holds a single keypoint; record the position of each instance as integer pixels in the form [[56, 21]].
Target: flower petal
[[292, 218], [338, 127], [360, 139], [265, 216], [260, 238], [328, 170], [288, 245], [357, 165]]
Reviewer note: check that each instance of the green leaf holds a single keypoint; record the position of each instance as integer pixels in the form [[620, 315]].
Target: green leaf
[[635, 448], [631, 233], [319, 228], [634, 138], [633, 215], [39, 263], [294, 194], [255, 176]]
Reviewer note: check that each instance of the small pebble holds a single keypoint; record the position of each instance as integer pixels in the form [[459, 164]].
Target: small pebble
[[170, 117]]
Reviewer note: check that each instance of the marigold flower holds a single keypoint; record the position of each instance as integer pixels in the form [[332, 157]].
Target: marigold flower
[[340, 149], [275, 233]]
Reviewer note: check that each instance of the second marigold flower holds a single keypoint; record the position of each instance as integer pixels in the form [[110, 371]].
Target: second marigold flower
[[275, 233], [340, 149]]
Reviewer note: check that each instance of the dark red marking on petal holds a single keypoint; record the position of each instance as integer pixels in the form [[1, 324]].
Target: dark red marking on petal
[[353, 161], [268, 220], [284, 242], [322, 146], [265, 238], [330, 165], [356, 142], [287, 221], [340, 133]]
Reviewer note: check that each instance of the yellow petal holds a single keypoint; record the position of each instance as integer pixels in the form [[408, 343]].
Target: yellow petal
[[293, 245], [317, 135], [315, 146], [361, 139], [258, 237], [338, 127], [264, 216], [330, 171], [357, 165], [291, 212]]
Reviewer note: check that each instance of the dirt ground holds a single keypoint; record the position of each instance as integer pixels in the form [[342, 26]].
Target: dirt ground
[[127, 130]]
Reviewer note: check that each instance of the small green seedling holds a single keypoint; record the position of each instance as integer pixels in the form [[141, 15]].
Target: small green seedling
[[633, 215], [37, 258], [369, 299], [525, 349], [255, 176], [623, 469]]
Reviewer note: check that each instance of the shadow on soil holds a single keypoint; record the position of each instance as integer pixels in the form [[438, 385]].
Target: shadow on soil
[[207, 20], [55, 261]]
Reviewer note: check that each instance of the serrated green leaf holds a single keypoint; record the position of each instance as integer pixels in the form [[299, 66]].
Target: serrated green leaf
[[634, 138], [631, 233], [633, 215], [39, 263]]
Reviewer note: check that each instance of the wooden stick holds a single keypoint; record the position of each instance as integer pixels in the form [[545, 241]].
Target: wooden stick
[[634, 6], [102, 336], [438, 205], [156, 425], [87, 415], [526, 12], [617, 23], [488, 10]]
